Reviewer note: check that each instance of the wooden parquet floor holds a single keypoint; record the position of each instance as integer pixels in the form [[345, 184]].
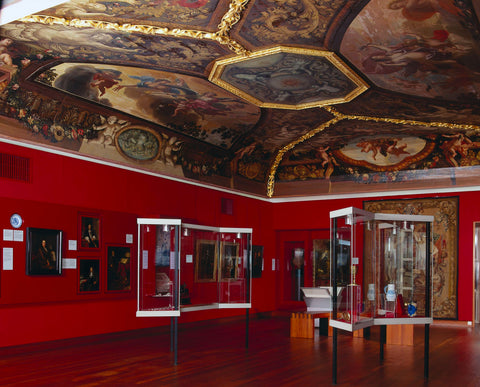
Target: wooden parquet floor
[[213, 353]]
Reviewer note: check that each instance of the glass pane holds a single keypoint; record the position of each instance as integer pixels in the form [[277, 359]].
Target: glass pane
[[158, 268], [234, 267]]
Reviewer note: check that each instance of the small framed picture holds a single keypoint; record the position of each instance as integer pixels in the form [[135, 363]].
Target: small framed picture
[[44, 251], [118, 268], [88, 275], [257, 261], [89, 232]]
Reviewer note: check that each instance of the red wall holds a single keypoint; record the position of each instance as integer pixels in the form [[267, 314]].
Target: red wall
[[49, 308]]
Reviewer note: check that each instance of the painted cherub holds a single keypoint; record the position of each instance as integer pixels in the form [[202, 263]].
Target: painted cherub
[[5, 57], [108, 129]]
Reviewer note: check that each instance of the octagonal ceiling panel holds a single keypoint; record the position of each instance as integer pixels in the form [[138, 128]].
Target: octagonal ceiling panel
[[288, 78]]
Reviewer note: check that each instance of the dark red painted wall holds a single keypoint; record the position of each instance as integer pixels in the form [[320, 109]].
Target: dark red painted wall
[[38, 309], [49, 308]]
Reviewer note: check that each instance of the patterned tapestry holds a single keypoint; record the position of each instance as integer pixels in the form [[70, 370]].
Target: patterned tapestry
[[445, 245]]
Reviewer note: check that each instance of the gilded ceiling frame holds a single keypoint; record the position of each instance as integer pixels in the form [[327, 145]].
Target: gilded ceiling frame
[[220, 65]]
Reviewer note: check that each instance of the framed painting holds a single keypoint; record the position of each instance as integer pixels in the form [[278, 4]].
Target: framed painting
[[89, 231], [444, 245], [206, 261], [321, 262], [257, 261], [118, 268], [88, 275], [44, 251], [229, 260]]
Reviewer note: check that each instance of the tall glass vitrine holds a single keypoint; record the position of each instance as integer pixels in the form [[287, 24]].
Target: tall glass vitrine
[[381, 273], [381, 268]]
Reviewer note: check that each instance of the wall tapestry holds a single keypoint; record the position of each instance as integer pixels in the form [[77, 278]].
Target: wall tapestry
[[445, 245]]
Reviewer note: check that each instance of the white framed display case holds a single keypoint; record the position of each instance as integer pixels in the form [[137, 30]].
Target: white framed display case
[[216, 265], [381, 269], [187, 267], [158, 281]]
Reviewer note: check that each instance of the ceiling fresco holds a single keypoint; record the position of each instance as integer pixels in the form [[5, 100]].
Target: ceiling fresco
[[269, 97], [398, 43], [183, 103]]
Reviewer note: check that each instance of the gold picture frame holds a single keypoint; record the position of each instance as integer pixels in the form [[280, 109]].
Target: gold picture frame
[[321, 262]]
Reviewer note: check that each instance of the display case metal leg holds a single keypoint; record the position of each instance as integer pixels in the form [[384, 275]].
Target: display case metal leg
[[426, 351], [247, 322], [383, 339], [171, 334], [175, 340], [334, 356]]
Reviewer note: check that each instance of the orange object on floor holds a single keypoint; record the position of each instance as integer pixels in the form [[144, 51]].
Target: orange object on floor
[[302, 324]]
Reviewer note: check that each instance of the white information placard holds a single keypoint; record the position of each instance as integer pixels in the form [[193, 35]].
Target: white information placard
[[72, 244], [145, 259], [7, 258], [18, 235], [7, 234], [69, 263]]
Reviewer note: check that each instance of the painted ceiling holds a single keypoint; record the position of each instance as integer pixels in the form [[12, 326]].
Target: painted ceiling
[[269, 97]]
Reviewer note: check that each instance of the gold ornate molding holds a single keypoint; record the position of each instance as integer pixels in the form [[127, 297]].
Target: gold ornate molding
[[340, 117], [293, 144], [397, 121], [231, 17]]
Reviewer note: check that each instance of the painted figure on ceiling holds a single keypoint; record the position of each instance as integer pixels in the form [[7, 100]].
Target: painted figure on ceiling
[[88, 82], [106, 79], [108, 129], [384, 146], [457, 145], [81, 9], [420, 10], [5, 56]]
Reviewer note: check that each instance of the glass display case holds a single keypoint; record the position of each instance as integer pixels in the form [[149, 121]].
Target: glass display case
[[216, 267], [158, 267], [381, 269], [350, 228], [403, 244], [187, 267]]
